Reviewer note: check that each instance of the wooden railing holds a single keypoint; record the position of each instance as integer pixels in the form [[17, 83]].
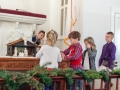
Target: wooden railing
[[63, 85], [25, 64]]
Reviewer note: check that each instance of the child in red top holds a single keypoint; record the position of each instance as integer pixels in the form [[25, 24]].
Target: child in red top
[[74, 53]]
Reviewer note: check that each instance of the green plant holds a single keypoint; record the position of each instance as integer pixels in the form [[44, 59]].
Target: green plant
[[105, 75], [94, 74], [42, 74], [15, 80], [116, 71], [84, 74], [68, 73]]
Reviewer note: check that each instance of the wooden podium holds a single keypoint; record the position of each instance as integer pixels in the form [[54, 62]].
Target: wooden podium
[[25, 63]]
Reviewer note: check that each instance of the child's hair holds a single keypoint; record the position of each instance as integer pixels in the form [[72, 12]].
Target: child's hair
[[74, 35], [52, 37], [33, 32], [110, 33], [41, 32], [90, 40]]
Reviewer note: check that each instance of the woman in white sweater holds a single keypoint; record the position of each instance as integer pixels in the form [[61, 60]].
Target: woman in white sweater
[[50, 53]]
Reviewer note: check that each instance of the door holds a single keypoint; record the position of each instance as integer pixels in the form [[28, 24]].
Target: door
[[117, 37]]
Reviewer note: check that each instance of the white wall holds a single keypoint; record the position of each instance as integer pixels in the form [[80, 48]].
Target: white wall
[[96, 20], [55, 20]]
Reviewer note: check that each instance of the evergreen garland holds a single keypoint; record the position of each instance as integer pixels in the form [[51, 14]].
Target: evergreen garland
[[68, 73], [84, 74], [116, 71], [93, 74], [105, 75], [41, 74], [15, 80]]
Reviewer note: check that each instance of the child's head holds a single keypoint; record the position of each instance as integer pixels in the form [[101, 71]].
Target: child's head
[[89, 43], [109, 36], [74, 37], [52, 37], [41, 34]]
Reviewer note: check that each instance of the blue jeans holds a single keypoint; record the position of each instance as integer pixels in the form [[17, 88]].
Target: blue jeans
[[49, 87], [79, 84]]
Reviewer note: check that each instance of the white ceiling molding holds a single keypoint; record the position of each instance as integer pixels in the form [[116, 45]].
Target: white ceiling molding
[[22, 19]]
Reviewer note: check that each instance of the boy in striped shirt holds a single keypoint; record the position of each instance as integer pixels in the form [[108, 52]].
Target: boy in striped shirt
[[74, 53]]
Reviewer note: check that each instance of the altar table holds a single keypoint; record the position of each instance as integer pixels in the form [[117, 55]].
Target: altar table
[[24, 63]]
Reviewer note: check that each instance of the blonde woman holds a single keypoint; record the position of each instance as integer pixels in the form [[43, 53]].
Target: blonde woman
[[89, 54], [50, 53]]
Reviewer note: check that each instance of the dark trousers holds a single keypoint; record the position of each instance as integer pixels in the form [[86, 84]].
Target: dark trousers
[[49, 87], [106, 83], [52, 87]]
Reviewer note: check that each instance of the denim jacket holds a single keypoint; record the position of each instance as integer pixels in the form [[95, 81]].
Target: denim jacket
[[92, 56]]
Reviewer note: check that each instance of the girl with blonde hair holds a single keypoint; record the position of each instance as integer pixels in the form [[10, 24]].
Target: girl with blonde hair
[[50, 53], [89, 55]]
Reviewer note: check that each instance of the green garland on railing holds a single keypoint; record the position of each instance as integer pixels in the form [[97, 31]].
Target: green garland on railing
[[16, 80], [116, 71], [105, 75], [94, 74], [84, 74], [68, 73], [42, 73]]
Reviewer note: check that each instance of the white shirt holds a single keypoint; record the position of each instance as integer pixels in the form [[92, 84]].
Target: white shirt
[[86, 61], [49, 54]]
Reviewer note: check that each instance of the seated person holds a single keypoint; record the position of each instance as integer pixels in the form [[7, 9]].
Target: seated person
[[37, 39]]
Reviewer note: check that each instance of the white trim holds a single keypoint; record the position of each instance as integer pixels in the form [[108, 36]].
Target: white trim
[[23, 19], [64, 23], [114, 11], [59, 20]]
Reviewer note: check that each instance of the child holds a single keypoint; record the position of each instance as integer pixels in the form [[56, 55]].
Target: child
[[108, 53], [89, 55], [50, 53], [74, 53], [40, 36]]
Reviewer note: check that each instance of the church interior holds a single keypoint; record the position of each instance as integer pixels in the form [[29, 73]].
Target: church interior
[[59, 44]]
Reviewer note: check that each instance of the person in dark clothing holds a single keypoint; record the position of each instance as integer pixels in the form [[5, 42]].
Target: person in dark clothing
[[37, 39], [107, 57]]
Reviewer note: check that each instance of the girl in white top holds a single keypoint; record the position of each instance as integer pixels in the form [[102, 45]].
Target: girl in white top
[[49, 52]]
